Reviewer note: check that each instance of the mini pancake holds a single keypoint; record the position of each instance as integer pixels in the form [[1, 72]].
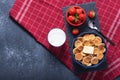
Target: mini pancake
[[91, 37], [86, 37], [80, 47], [102, 49], [86, 63], [96, 50], [87, 59], [83, 53], [76, 50], [100, 56], [100, 45], [78, 43], [97, 40], [78, 56], [94, 60], [87, 43], [80, 38]]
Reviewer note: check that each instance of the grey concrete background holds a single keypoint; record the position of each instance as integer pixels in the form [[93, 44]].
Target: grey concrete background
[[21, 57]]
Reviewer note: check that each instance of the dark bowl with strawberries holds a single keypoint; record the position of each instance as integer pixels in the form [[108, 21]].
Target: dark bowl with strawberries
[[76, 16]]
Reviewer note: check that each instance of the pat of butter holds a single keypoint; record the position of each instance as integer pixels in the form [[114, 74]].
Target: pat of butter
[[88, 49]]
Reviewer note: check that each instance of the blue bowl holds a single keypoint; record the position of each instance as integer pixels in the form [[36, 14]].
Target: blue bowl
[[83, 68]]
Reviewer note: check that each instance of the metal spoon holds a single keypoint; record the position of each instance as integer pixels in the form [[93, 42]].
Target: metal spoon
[[90, 25]]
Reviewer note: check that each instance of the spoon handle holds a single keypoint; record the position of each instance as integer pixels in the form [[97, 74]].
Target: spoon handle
[[111, 42]]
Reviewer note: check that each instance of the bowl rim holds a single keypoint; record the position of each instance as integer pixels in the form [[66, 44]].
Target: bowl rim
[[101, 61], [76, 25]]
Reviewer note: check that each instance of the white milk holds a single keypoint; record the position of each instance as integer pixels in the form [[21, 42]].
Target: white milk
[[56, 37]]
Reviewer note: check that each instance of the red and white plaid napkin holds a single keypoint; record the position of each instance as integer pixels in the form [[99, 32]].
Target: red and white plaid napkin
[[39, 16]]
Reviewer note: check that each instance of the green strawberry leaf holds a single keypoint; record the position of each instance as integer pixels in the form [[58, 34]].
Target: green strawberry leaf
[[76, 17]]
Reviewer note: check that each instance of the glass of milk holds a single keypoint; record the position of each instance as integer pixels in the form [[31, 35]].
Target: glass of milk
[[56, 37]]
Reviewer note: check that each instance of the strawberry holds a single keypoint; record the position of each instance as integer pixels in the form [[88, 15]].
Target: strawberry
[[71, 18], [79, 11], [81, 16], [75, 31], [72, 11], [91, 14]]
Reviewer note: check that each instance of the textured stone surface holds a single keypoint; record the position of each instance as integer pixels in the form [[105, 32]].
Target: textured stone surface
[[21, 57]]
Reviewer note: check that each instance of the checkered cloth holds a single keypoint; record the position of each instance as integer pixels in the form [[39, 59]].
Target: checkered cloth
[[38, 17]]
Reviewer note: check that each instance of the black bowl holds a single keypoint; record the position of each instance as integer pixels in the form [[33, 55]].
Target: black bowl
[[93, 67]]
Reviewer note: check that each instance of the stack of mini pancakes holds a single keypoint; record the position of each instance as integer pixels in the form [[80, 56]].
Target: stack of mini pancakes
[[90, 40]]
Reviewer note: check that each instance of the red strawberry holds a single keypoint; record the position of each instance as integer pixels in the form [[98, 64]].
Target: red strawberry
[[81, 16], [75, 31], [71, 18], [72, 11], [79, 11], [91, 14]]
